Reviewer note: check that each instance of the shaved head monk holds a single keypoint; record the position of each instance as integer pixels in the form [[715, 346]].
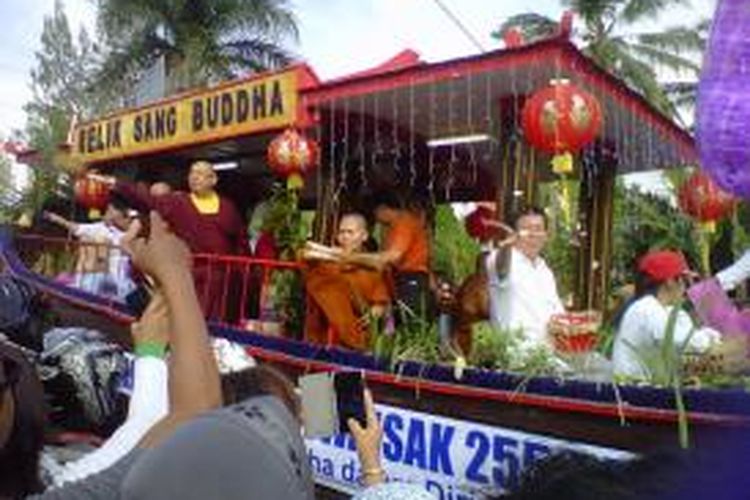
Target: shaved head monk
[[209, 224], [343, 296]]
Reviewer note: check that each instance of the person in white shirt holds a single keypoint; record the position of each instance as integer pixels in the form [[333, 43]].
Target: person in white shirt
[[641, 326], [522, 289], [102, 268]]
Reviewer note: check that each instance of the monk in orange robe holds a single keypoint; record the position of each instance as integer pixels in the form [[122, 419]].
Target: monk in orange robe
[[343, 296]]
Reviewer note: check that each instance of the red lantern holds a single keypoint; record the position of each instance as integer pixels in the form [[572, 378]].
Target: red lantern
[[292, 155], [476, 226], [561, 118], [92, 194], [701, 198]]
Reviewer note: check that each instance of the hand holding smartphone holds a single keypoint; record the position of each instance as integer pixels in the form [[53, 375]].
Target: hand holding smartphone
[[329, 400]]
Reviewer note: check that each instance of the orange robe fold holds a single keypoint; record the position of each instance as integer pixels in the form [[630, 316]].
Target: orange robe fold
[[339, 295]]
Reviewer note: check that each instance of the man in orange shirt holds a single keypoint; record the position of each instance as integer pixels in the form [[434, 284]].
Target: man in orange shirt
[[406, 250], [343, 295]]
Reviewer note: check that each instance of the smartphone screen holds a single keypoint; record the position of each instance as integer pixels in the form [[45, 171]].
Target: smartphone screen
[[350, 402], [138, 299]]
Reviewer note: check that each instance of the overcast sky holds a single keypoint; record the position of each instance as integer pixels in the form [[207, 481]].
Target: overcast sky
[[336, 36]]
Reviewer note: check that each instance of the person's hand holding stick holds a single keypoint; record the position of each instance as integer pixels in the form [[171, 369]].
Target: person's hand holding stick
[[513, 235], [316, 251]]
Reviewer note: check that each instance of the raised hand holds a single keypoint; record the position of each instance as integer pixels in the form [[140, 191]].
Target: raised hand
[[369, 441], [153, 325], [162, 254]]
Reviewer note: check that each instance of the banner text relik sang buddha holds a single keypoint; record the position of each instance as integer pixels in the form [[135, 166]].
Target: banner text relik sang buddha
[[234, 110]]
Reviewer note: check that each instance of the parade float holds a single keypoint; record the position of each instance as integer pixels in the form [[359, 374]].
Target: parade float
[[487, 128]]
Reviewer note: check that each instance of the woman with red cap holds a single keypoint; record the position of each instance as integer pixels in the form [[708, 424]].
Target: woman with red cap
[[642, 325]]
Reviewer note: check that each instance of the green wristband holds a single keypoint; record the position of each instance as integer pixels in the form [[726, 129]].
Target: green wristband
[[150, 348]]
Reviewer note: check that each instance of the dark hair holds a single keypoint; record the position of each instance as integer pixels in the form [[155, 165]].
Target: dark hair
[[715, 469], [118, 202], [388, 199], [526, 211], [573, 476], [19, 457], [644, 286], [262, 380]]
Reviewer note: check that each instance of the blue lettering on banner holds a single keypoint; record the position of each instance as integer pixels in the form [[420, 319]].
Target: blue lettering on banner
[[392, 448], [415, 445], [453, 459], [506, 469], [475, 440], [440, 444]]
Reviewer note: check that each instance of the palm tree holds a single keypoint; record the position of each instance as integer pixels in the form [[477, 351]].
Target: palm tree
[[201, 40], [637, 58]]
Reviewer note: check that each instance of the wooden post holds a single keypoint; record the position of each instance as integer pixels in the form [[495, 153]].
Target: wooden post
[[596, 206]]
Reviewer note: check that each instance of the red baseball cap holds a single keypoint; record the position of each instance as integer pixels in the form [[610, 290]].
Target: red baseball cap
[[663, 265]]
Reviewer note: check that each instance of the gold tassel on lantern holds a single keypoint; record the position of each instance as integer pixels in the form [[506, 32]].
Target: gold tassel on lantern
[[295, 182], [562, 164]]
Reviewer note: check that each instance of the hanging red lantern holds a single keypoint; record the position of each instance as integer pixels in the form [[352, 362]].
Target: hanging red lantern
[[701, 199], [561, 119], [92, 194], [292, 155], [476, 224]]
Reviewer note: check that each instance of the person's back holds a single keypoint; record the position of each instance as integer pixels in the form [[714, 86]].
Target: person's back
[[408, 232], [634, 338]]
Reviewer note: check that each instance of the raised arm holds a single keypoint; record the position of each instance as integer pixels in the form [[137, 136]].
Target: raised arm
[[194, 385], [60, 221], [136, 194], [377, 260]]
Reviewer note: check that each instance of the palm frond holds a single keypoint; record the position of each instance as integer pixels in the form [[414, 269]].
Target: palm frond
[[210, 38], [256, 54], [270, 18], [594, 11], [664, 59], [638, 10], [533, 26], [682, 93], [640, 76], [677, 40]]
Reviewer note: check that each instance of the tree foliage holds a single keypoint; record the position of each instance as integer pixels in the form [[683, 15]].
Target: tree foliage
[[201, 40], [62, 88], [6, 188], [454, 252], [643, 222], [607, 35]]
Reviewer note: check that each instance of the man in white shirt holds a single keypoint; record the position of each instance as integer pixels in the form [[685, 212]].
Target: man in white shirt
[[642, 329], [102, 268], [522, 288]]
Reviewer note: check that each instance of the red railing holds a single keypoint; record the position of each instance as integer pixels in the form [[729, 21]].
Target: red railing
[[232, 289], [236, 289]]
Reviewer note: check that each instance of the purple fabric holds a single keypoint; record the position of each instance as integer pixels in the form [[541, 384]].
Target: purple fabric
[[723, 113], [715, 309]]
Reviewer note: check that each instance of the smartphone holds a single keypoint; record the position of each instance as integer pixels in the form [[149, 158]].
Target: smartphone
[[138, 299], [329, 400], [350, 399]]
